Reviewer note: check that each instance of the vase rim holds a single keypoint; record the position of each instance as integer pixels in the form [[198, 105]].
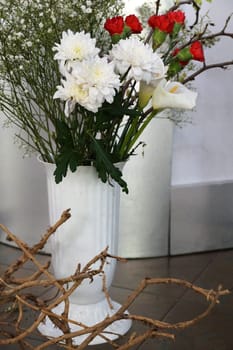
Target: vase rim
[[120, 165]]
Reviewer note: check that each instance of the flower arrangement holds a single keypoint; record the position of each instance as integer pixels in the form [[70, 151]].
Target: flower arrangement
[[83, 89]]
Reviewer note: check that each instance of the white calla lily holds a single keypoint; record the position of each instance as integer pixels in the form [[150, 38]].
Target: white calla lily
[[146, 90], [145, 94], [173, 95]]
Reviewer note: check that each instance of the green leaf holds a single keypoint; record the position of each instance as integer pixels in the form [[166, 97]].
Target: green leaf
[[105, 166], [63, 134], [116, 110], [69, 158], [73, 162], [62, 163]]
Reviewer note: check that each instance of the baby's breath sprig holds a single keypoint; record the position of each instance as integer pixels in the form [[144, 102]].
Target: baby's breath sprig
[[28, 32]]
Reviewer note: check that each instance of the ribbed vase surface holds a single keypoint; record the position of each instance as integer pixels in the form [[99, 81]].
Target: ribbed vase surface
[[93, 226]]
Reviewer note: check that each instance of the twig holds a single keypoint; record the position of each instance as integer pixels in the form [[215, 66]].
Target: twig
[[15, 266], [222, 65], [13, 292]]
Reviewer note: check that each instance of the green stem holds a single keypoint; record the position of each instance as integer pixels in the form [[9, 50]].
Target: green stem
[[140, 130], [128, 131]]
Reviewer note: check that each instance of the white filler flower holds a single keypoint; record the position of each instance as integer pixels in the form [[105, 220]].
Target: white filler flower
[[133, 55], [75, 46], [173, 95], [90, 83]]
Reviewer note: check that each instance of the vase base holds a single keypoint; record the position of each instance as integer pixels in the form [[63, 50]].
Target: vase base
[[88, 315]]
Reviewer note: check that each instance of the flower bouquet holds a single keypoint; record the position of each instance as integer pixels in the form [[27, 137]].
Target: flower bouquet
[[81, 82], [82, 92]]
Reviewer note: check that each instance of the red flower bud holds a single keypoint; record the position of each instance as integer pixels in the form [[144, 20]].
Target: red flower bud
[[175, 52], [196, 51], [176, 16], [182, 63], [166, 22], [114, 25], [162, 22], [133, 23]]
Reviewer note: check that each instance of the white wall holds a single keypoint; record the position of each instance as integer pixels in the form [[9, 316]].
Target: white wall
[[201, 200], [23, 193], [203, 149], [130, 5]]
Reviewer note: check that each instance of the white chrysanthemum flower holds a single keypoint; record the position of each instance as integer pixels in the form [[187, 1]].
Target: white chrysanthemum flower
[[99, 74], [90, 83], [133, 55], [75, 46], [71, 92]]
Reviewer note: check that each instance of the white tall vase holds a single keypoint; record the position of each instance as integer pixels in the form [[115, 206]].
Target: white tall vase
[[144, 214], [92, 227]]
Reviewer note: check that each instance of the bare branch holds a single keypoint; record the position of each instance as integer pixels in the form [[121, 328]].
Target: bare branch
[[22, 303], [222, 65]]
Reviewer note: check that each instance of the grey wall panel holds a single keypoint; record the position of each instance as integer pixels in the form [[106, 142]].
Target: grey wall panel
[[201, 218], [23, 195], [202, 149]]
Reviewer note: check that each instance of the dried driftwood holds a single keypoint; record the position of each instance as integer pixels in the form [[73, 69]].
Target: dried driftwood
[[17, 299]]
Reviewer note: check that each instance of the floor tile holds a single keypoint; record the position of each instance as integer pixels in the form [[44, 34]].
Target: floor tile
[[10, 254], [215, 331], [128, 275], [220, 271], [154, 306]]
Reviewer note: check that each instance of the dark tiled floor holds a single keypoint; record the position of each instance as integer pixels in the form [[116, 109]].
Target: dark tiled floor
[[171, 304]]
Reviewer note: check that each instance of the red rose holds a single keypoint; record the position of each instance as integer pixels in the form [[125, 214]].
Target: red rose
[[196, 51], [162, 22], [133, 22], [114, 25], [176, 17]]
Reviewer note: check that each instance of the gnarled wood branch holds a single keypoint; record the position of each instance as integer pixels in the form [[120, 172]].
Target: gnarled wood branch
[[16, 303]]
